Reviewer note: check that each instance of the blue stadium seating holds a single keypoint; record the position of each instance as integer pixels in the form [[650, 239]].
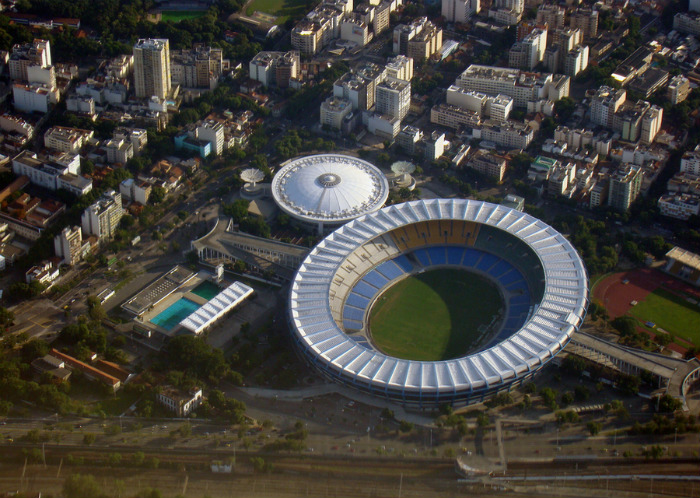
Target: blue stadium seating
[[437, 255], [364, 289], [422, 257], [357, 301], [487, 261], [509, 277], [471, 257], [352, 324], [404, 263], [500, 268], [352, 313], [390, 270], [375, 279], [455, 255]]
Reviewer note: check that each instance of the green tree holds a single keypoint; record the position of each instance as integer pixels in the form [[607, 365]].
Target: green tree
[[81, 486]]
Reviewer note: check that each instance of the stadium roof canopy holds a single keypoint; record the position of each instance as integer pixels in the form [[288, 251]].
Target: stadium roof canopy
[[329, 188], [221, 304], [558, 315]]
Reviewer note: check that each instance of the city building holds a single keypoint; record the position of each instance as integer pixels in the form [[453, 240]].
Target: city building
[[45, 273], [355, 30], [576, 61], [522, 87], [359, 91], [36, 53], [152, 68], [400, 67], [687, 22], [408, 138], [528, 52], [562, 177], [102, 218], [53, 174], [455, 117], [200, 67], [136, 136], [488, 164], [649, 81], [585, 20], [418, 40], [605, 103], [551, 15], [510, 134], [333, 111], [179, 402], [393, 97], [34, 97], [69, 245], [625, 185], [275, 68], [684, 265], [119, 151], [459, 10], [690, 162], [678, 89], [64, 139], [496, 107], [638, 62], [679, 206], [135, 190], [435, 146], [212, 131], [651, 124]]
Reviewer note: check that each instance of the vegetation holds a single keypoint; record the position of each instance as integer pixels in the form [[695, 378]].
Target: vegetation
[[671, 312], [437, 300]]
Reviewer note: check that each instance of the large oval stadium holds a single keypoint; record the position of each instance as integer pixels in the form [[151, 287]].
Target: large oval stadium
[[526, 279]]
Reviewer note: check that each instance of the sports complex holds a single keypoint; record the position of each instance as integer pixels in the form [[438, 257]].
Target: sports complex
[[438, 301]]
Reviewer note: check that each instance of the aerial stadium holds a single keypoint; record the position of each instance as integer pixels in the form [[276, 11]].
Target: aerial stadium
[[515, 288], [327, 190]]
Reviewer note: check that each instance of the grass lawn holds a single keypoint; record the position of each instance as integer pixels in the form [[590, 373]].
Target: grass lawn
[[181, 15], [433, 316], [283, 9], [670, 312]]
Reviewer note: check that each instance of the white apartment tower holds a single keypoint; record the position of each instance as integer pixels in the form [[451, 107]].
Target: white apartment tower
[[69, 244], [102, 218], [459, 10], [152, 68], [394, 98]]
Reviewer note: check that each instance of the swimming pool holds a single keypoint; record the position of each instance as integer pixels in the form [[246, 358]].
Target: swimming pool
[[175, 313], [207, 290]]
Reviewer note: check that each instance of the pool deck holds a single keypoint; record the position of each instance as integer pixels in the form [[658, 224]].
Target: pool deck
[[185, 291]]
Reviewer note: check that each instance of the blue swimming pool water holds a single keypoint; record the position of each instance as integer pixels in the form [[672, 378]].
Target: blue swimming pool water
[[175, 313]]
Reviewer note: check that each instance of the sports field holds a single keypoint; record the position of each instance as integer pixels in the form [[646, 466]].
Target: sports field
[[282, 9], [180, 15], [670, 312], [435, 315]]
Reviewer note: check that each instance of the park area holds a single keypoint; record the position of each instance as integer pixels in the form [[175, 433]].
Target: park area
[[180, 15], [435, 315], [281, 9], [660, 303]]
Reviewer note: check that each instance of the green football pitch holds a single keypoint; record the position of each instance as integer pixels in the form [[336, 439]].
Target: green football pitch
[[435, 315], [180, 15], [670, 312], [282, 9]]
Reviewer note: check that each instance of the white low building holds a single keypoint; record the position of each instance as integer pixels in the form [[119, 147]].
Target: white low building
[[180, 402], [211, 312]]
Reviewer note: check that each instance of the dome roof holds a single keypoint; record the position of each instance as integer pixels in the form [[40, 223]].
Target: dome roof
[[329, 188]]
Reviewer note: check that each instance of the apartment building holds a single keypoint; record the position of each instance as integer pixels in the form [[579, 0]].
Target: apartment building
[[605, 103], [625, 185], [64, 139], [400, 67], [36, 53], [152, 68], [200, 67], [334, 110], [488, 164], [459, 10], [102, 218], [69, 245], [678, 89], [275, 68], [393, 97]]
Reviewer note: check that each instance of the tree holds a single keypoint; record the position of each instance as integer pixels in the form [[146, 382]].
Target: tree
[[34, 349], [157, 195], [7, 318], [626, 325], [88, 439], [594, 428], [81, 486]]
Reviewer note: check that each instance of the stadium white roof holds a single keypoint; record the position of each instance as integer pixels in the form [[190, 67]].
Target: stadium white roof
[[329, 188], [221, 304], [559, 314]]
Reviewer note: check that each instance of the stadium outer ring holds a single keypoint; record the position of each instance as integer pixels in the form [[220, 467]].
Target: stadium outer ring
[[459, 381]]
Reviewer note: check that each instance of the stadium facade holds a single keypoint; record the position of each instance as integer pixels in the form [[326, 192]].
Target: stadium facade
[[327, 190], [540, 275]]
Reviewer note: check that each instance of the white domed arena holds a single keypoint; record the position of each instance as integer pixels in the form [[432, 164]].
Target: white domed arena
[[327, 190], [541, 280]]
